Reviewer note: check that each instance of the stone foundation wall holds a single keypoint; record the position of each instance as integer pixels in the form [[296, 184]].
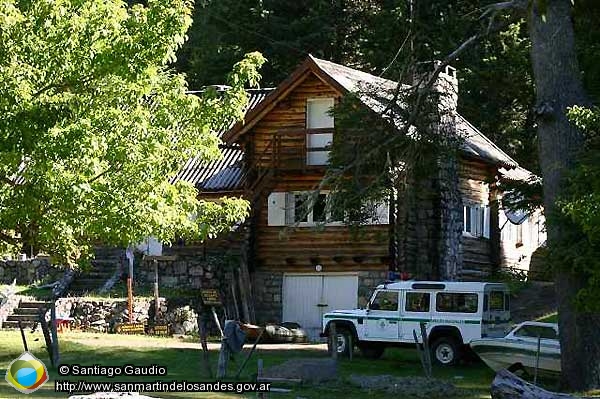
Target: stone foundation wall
[[267, 289], [27, 272], [102, 315]]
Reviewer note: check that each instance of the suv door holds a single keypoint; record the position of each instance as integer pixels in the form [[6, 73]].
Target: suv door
[[417, 310], [383, 316]]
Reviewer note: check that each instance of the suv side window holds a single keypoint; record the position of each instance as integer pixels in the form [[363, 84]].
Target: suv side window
[[455, 302], [417, 301], [385, 300]]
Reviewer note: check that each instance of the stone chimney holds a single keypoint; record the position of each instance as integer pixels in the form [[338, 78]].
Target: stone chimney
[[446, 83]]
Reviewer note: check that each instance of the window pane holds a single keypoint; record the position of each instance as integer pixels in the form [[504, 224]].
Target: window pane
[[417, 302], [317, 113], [467, 221], [535, 331], [319, 208], [385, 300], [300, 210], [497, 300], [456, 302]]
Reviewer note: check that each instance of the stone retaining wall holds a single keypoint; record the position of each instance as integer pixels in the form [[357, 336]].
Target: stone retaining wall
[[28, 272], [102, 315]]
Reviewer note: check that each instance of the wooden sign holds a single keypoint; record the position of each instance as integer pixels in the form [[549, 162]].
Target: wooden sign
[[160, 329], [130, 328], [210, 297]]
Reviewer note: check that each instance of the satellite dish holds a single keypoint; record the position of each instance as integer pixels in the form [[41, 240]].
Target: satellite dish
[[516, 217]]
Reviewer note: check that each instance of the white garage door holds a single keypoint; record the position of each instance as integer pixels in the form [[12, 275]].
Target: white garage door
[[306, 297]]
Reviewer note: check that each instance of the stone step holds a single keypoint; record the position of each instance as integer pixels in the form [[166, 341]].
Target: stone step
[[22, 317], [11, 324], [32, 304], [24, 311]]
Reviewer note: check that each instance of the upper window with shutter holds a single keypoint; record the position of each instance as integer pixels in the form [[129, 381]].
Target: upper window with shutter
[[304, 208], [318, 118]]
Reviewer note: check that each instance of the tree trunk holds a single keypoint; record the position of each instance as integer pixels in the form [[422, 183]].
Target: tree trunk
[[558, 86]]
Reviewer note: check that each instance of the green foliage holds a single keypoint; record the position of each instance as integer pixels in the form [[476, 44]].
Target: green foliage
[[579, 216], [94, 125]]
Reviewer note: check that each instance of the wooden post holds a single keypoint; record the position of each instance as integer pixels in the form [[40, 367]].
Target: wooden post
[[23, 337], [259, 375], [239, 372], [236, 309], [46, 332], [130, 290], [426, 351], [55, 353], [351, 348], [202, 326], [156, 303], [333, 340], [537, 359]]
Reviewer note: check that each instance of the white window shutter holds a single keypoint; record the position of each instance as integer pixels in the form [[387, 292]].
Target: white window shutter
[[276, 209], [290, 208], [486, 222]]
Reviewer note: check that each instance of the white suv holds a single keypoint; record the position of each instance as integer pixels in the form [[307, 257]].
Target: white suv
[[455, 313]]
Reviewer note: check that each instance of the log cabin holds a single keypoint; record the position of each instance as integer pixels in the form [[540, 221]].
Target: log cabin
[[301, 265]]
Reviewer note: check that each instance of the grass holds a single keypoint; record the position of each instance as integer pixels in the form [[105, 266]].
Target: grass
[[185, 364]]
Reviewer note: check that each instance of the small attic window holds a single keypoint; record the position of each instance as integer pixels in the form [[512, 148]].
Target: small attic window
[[318, 117]]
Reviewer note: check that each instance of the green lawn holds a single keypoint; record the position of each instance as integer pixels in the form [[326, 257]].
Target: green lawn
[[185, 363]]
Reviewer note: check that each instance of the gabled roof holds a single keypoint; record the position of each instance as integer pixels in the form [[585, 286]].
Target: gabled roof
[[223, 174], [374, 92]]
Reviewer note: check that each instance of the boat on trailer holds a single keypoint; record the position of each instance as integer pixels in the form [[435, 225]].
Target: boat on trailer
[[520, 347]]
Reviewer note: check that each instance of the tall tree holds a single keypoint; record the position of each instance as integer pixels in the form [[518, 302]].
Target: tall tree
[[94, 124], [559, 87]]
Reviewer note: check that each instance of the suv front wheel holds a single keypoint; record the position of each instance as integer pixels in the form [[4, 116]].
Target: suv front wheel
[[342, 343], [444, 351]]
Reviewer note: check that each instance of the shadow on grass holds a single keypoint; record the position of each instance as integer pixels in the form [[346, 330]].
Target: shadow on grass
[[186, 364]]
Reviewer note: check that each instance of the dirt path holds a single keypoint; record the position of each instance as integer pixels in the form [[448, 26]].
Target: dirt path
[[131, 341]]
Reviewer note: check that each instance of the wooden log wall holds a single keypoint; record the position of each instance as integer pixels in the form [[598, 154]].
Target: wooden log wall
[[477, 252], [299, 249], [289, 114]]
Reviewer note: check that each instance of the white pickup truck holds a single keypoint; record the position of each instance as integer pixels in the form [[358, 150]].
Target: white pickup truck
[[454, 313]]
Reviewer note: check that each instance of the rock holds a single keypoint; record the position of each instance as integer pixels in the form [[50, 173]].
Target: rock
[[308, 370]]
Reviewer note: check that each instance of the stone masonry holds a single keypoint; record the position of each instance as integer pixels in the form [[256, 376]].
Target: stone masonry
[[28, 272]]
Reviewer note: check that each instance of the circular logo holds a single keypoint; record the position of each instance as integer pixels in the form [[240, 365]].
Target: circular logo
[[26, 373], [382, 323]]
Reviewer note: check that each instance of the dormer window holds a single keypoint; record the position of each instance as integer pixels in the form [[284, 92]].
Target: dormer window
[[319, 124]]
